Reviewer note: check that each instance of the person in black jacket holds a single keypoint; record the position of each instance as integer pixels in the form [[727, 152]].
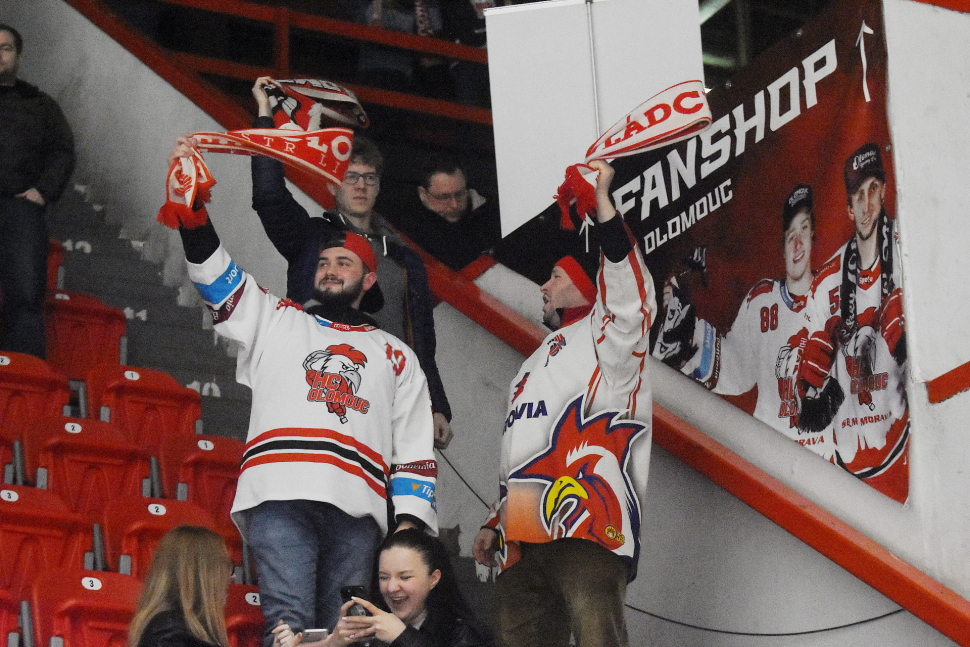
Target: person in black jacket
[[419, 587], [36, 160], [453, 223], [183, 601], [406, 311]]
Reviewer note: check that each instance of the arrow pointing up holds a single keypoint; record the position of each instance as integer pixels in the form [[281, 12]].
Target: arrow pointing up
[[861, 44]]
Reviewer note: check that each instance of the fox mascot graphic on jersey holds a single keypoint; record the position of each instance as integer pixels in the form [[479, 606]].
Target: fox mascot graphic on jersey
[[334, 377], [583, 456]]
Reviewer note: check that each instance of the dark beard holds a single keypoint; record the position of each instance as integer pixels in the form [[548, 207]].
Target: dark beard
[[553, 320], [339, 301]]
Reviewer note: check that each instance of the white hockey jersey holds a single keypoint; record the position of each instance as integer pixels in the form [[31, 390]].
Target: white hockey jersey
[[871, 425], [340, 414], [762, 348], [577, 437]]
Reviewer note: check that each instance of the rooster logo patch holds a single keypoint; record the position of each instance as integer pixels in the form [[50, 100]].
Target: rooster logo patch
[[334, 378], [587, 492]]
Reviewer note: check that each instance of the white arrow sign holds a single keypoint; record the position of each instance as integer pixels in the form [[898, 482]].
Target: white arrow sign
[[861, 44]]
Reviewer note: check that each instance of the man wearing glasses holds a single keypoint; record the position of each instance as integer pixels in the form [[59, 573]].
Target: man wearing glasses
[[406, 309], [454, 224]]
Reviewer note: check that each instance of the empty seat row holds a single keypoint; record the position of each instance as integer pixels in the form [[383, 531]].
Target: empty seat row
[[88, 462], [38, 532], [148, 404]]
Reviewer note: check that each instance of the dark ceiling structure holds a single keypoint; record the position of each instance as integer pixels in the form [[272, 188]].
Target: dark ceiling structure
[[735, 31]]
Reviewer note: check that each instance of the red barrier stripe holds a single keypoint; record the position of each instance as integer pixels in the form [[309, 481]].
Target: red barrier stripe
[[899, 581], [949, 384]]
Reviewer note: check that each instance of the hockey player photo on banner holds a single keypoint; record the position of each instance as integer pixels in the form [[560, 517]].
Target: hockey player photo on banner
[[773, 239]]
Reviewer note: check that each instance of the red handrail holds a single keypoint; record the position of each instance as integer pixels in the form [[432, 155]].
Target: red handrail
[[949, 384], [263, 13], [366, 94], [955, 5], [899, 581], [923, 596], [215, 103]]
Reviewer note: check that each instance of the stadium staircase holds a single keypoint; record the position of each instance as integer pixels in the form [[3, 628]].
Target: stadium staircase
[[160, 335]]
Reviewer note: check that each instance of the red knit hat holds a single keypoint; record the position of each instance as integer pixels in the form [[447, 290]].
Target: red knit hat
[[578, 276]]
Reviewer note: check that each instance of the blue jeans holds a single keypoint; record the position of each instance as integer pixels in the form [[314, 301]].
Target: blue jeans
[[23, 276], [305, 551]]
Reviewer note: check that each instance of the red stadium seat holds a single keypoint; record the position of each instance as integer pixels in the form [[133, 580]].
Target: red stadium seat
[[82, 331], [37, 533], [55, 258], [29, 389], [9, 610], [203, 470], [244, 617], [83, 608], [133, 527], [86, 462], [148, 404]]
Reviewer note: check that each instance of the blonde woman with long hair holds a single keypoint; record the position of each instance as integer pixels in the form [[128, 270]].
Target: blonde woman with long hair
[[183, 600]]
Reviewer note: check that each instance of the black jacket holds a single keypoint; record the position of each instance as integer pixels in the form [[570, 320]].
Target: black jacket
[[437, 631], [36, 144], [456, 244], [168, 629], [297, 238]]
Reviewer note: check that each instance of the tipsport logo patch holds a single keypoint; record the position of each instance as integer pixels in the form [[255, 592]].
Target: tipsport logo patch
[[415, 479], [334, 378]]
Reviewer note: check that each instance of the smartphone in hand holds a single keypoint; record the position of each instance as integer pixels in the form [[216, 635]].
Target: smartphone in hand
[[314, 635], [348, 592]]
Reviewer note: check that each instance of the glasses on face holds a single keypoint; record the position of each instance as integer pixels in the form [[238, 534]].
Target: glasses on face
[[370, 179], [457, 196]]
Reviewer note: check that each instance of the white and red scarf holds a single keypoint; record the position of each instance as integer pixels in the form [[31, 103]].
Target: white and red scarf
[[300, 107], [677, 113]]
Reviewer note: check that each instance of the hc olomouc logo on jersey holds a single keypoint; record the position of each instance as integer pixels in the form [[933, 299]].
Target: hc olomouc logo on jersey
[[334, 378]]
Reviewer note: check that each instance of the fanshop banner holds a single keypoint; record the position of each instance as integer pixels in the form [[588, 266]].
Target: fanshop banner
[[772, 237]]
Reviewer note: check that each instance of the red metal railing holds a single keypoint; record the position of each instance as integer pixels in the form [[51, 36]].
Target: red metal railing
[[923, 596], [284, 21], [949, 384]]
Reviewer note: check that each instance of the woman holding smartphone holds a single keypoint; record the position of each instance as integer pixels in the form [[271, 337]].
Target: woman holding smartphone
[[424, 606]]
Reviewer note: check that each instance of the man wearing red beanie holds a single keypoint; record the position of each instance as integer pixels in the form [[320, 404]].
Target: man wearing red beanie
[[575, 452]]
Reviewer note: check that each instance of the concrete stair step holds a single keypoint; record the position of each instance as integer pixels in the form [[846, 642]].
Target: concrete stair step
[[161, 334], [210, 382], [146, 303], [84, 270], [177, 347], [223, 417]]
